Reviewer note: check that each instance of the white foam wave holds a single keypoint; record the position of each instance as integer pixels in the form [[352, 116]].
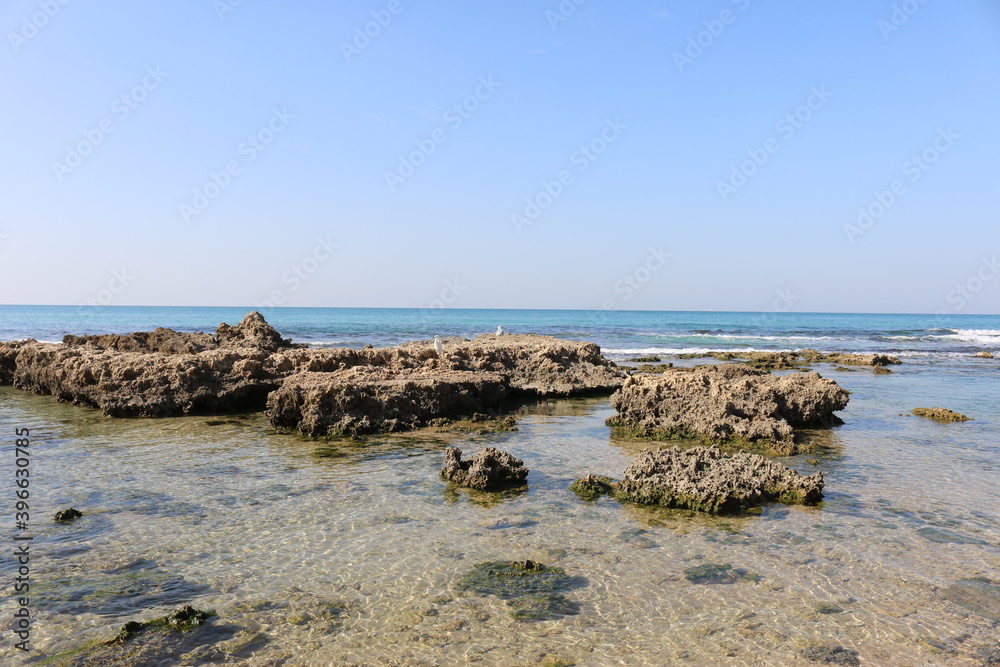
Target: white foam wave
[[986, 336]]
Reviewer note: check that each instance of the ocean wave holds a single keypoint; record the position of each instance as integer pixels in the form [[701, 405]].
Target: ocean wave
[[680, 350], [974, 335]]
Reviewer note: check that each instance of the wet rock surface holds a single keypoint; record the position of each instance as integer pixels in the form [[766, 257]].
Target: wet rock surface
[[727, 404], [530, 588], [67, 515], [940, 414], [489, 470], [980, 596], [831, 655], [798, 359], [707, 480]]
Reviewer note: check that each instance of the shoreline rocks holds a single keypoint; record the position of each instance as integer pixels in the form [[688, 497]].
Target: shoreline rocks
[[727, 404], [250, 367], [489, 470], [795, 360], [707, 480]]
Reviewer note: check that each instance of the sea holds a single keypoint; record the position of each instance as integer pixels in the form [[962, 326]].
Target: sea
[[354, 552]]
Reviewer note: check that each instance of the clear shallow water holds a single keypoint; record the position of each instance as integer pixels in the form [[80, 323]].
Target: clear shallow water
[[341, 554]]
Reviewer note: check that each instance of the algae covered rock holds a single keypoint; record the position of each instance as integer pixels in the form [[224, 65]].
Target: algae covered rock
[[182, 619], [488, 470], [706, 479], [541, 607], [508, 579], [727, 404], [831, 655], [592, 487], [940, 414], [67, 515]]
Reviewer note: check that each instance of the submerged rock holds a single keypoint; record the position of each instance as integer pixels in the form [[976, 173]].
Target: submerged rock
[[980, 596], [67, 515], [940, 414], [185, 618], [592, 487], [727, 404], [831, 655], [705, 479], [541, 607], [488, 470], [510, 579]]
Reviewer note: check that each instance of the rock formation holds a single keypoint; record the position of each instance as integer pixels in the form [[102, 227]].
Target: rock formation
[[727, 404], [369, 399], [165, 372], [490, 469], [705, 479], [940, 414]]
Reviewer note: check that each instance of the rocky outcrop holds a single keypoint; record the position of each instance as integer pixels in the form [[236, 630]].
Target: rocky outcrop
[[165, 372], [983, 355], [370, 399], [707, 480], [789, 360], [490, 469], [252, 332], [727, 404], [940, 414]]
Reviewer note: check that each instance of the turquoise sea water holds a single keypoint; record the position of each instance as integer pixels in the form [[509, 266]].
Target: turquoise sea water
[[339, 552], [618, 332]]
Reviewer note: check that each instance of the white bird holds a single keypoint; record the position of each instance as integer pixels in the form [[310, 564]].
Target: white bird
[[438, 347], [500, 331]]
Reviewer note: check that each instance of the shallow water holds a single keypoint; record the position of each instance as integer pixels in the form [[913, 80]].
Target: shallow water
[[349, 553]]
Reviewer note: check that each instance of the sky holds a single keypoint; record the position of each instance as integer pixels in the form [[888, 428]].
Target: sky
[[836, 155]]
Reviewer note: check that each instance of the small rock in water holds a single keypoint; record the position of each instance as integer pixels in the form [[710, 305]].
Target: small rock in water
[[591, 487], [940, 414], [489, 469], [709, 574], [508, 579], [979, 596], [541, 607], [983, 355], [828, 609], [832, 655], [946, 536], [70, 514]]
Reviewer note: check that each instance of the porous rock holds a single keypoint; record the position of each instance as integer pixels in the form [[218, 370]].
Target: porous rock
[[940, 414], [488, 470], [706, 479], [367, 399], [727, 404]]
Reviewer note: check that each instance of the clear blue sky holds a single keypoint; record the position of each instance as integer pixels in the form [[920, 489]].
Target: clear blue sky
[[330, 121]]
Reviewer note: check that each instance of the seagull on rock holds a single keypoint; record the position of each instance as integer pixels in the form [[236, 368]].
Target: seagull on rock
[[438, 347], [500, 330]]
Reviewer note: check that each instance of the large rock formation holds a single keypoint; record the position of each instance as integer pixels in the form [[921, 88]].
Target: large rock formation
[[490, 469], [705, 479], [165, 372], [368, 399], [727, 404]]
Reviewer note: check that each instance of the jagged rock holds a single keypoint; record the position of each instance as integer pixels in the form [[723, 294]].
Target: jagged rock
[[165, 372], [940, 414], [253, 331], [373, 399], [881, 370], [705, 479], [848, 359], [592, 487], [165, 341], [727, 404], [488, 470]]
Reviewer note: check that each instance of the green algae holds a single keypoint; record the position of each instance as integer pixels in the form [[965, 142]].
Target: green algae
[[592, 487], [509, 579]]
